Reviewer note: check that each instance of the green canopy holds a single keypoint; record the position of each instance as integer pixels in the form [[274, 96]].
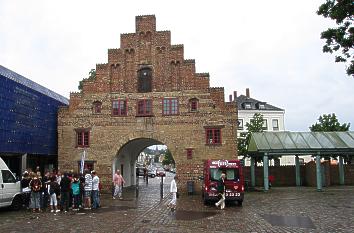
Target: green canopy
[[301, 143]]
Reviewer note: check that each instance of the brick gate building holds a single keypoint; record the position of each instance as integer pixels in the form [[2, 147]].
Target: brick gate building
[[146, 94]]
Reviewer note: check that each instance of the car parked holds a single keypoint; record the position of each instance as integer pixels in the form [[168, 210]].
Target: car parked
[[151, 173], [160, 172]]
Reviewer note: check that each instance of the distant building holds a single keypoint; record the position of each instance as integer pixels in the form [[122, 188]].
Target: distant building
[[273, 119], [28, 122]]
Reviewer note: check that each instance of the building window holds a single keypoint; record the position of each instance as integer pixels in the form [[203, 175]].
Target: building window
[[89, 165], [170, 106], [119, 107], [97, 107], [240, 124], [265, 125], [193, 103], [189, 153], [247, 105], [83, 138], [145, 80], [213, 136], [261, 106], [144, 107], [275, 124]]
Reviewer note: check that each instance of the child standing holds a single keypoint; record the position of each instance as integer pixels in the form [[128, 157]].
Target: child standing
[[75, 188]]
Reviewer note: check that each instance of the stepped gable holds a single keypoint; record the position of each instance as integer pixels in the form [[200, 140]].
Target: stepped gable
[[146, 47]]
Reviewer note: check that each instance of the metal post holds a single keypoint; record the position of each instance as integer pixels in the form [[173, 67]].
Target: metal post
[[23, 163], [265, 172], [161, 187], [297, 170], [253, 175], [341, 170], [137, 186], [318, 172]]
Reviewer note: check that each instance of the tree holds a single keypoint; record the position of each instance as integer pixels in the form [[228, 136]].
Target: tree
[[339, 40], [168, 159], [329, 123], [255, 125], [92, 76]]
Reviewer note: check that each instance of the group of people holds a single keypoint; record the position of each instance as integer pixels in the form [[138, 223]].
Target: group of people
[[60, 191]]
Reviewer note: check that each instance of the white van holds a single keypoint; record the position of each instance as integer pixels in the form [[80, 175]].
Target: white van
[[10, 188]]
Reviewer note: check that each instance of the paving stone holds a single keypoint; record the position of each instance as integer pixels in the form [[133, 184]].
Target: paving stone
[[329, 211]]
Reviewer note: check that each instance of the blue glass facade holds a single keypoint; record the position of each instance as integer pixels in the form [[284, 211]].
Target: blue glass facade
[[28, 116]]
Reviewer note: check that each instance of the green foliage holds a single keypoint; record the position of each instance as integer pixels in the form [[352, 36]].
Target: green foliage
[[255, 125], [339, 40], [168, 159], [92, 76], [328, 123]]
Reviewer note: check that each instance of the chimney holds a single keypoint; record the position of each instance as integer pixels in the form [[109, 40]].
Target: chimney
[[235, 95], [230, 98], [247, 92]]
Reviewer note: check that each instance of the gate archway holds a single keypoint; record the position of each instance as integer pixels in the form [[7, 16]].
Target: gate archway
[[126, 157]]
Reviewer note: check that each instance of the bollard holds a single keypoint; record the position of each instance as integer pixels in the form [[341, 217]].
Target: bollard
[[137, 186], [161, 187]]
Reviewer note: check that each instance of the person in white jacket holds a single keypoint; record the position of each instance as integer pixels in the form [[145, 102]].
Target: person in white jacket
[[173, 190]]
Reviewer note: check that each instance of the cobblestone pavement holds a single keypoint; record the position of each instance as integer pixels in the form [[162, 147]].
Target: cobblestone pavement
[[279, 210]]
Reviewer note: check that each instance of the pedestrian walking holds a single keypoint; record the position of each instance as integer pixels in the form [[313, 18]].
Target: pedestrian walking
[[54, 192], [173, 191], [118, 182], [95, 190], [35, 185], [65, 192], [88, 190], [221, 190]]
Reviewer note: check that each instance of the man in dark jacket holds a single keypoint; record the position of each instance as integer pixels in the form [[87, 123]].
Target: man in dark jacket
[[65, 192]]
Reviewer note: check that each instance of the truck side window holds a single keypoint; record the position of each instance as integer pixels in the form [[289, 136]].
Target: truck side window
[[7, 177]]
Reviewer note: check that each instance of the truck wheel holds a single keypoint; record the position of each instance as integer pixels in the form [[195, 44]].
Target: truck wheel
[[16, 203], [239, 203]]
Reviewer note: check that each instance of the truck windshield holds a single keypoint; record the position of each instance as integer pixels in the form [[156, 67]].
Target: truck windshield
[[231, 174]]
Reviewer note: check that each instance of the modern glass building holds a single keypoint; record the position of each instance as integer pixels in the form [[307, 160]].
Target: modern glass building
[[28, 123]]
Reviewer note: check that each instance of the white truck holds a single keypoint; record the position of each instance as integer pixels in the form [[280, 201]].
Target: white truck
[[10, 188]]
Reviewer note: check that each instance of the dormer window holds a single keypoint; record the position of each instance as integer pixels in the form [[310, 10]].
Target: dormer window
[[247, 105], [261, 105]]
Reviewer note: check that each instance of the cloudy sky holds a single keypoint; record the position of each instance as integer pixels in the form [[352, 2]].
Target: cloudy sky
[[272, 47]]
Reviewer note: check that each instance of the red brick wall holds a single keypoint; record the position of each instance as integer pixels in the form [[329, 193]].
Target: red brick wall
[[285, 175]]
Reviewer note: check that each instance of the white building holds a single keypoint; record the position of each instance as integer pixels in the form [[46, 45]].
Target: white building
[[273, 119]]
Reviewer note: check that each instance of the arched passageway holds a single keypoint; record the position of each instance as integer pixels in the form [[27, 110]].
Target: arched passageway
[[126, 158]]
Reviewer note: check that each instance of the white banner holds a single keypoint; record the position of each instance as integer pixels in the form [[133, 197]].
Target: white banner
[[82, 164]]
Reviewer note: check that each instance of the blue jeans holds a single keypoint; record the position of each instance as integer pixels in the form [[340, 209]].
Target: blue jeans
[[96, 199]]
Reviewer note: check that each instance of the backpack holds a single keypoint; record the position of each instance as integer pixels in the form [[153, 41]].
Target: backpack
[[36, 185], [53, 187], [76, 188]]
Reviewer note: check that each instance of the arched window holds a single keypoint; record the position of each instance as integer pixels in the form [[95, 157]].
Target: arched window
[[145, 80], [97, 107], [193, 105]]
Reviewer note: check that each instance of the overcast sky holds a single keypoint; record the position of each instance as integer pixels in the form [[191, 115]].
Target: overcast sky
[[272, 47]]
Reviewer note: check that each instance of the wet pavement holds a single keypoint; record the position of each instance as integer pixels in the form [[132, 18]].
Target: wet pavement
[[279, 210]]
